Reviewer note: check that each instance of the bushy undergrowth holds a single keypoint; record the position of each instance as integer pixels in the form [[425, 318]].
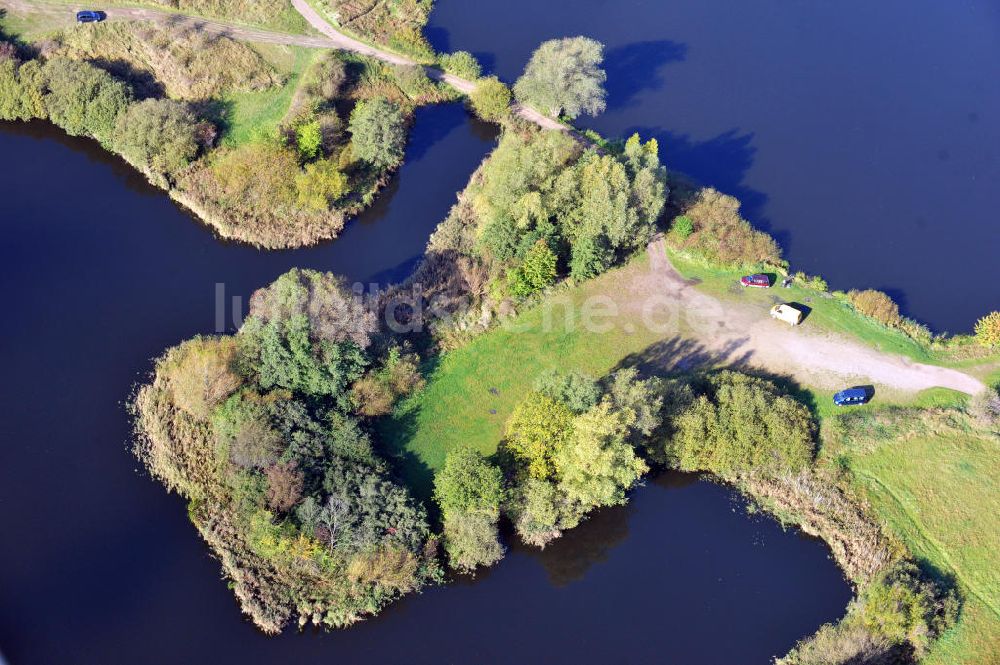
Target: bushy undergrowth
[[249, 11], [709, 227], [179, 61], [288, 186], [397, 24], [259, 433], [542, 207]]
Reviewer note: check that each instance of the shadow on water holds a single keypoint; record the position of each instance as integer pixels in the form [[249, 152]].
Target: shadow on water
[[568, 559], [637, 67]]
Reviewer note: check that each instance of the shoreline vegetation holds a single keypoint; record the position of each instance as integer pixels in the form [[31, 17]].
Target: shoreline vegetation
[[275, 146], [288, 438]]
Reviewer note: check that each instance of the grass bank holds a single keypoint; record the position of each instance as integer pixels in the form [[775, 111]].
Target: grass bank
[[935, 483]]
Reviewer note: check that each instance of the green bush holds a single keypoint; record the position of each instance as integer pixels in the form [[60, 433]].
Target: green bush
[[904, 607], [308, 139], [462, 64], [159, 136], [83, 99], [577, 391], [682, 227], [741, 424], [320, 185], [378, 133], [538, 426], [490, 99], [537, 271], [413, 80], [468, 483]]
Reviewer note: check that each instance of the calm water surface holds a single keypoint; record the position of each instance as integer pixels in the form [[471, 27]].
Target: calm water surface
[[99, 565], [864, 135]]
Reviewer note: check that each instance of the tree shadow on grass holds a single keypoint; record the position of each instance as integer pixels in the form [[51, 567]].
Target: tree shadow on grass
[[394, 433], [678, 355], [143, 82]]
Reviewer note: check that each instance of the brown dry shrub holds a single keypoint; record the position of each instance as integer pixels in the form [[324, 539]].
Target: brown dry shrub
[[255, 444], [284, 486], [720, 235], [177, 449], [876, 305], [376, 392], [985, 408], [248, 11], [372, 396], [392, 568], [249, 194], [201, 374], [189, 64], [822, 509]]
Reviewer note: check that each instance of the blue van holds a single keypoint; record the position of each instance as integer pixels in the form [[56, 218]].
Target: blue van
[[850, 397], [89, 16]]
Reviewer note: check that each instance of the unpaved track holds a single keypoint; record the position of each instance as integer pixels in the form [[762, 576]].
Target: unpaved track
[[332, 38], [733, 332], [462, 85]]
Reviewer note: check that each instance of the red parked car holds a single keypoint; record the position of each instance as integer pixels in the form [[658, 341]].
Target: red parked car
[[760, 281]]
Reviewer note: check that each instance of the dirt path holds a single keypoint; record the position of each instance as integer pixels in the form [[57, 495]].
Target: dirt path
[[464, 86], [732, 332]]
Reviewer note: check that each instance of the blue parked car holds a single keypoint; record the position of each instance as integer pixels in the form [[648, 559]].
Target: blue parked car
[[851, 397], [90, 16]]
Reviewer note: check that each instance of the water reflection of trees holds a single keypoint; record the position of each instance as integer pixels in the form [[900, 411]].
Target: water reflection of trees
[[568, 559]]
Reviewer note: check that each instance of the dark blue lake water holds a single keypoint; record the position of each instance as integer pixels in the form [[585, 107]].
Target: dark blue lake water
[[865, 136], [99, 565]]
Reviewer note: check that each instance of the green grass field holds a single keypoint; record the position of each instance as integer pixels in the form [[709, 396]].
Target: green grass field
[[253, 114], [456, 408], [941, 496]]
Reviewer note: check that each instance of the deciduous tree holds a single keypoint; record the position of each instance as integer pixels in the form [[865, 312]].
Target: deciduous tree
[[564, 76], [378, 133]]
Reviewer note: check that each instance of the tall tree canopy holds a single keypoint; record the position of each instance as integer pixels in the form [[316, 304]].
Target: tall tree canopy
[[564, 76]]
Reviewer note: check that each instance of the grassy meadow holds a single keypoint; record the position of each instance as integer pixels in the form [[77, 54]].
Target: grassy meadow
[[257, 113], [935, 482]]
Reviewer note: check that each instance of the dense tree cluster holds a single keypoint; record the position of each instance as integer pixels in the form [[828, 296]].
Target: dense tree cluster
[[159, 136], [259, 432], [564, 77], [541, 206], [570, 442], [740, 424], [469, 491]]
